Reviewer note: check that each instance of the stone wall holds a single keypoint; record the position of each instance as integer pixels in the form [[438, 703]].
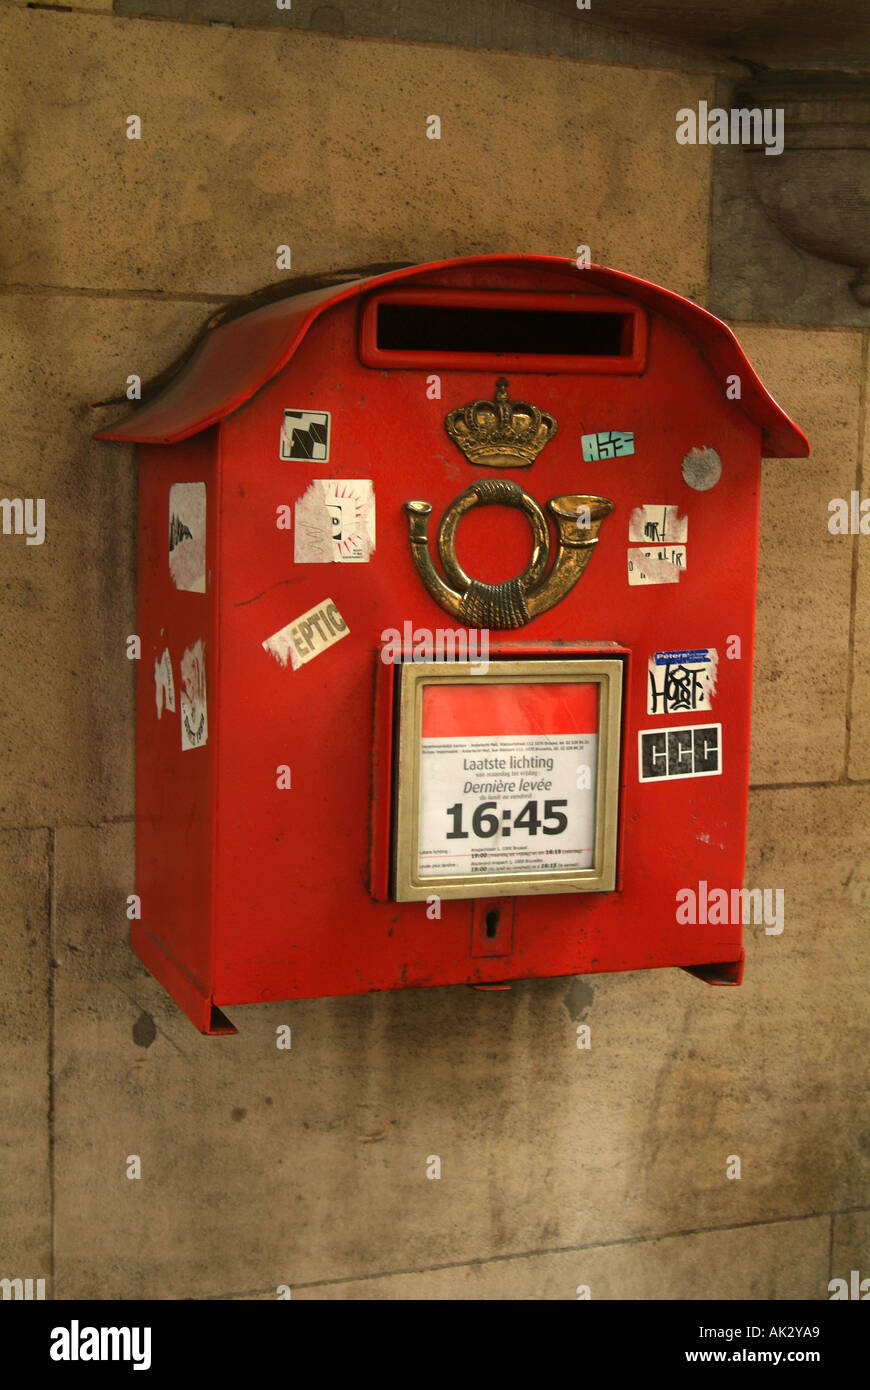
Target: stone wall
[[262, 1168]]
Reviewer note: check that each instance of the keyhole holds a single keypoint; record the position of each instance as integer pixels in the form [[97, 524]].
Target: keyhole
[[491, 921]]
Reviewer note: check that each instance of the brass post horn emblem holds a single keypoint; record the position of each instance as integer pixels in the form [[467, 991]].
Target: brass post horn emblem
[[513, 602]]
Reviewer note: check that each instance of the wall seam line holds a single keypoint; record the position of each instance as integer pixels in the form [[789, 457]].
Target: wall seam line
[[853, 579], [554, 1250], [52, 909], [671, 58]]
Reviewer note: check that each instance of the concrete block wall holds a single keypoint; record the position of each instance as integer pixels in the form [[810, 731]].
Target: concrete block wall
[[306, 1168]]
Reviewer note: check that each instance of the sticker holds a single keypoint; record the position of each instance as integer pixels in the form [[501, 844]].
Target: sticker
[[307, 636], [194, 712], [666, 754], [335, 520], [187, 536], [660, 564], [682, 681], [702, 468], [687, 654], [164, 684], [657, 525], [607, 445], [305, 435]]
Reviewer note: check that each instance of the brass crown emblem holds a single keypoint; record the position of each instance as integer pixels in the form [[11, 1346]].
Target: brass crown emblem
[[501, 433]]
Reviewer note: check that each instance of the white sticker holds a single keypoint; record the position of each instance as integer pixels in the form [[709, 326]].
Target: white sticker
[[661, 564], [194, 710], [702, 468], [335, 521], [305, 435], [307, 636], [164, 684], [187, 536], [658, 525], [680, 682]]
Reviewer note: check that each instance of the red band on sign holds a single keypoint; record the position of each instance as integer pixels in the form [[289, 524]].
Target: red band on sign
[[483, 710]]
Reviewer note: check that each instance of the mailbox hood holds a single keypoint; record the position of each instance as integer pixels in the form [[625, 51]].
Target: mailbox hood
[[239, 357]]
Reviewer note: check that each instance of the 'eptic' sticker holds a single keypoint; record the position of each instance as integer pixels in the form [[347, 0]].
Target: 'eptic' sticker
[[307, 636], [666, 754]]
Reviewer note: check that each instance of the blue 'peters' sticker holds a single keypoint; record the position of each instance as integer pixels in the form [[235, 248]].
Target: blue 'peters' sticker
[[697, 654]]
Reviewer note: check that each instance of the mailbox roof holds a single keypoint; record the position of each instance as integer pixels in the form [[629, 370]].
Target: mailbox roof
[[236, 359]]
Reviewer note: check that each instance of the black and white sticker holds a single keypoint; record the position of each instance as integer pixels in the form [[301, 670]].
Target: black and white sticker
[[680, 682], [662, 564], [666, 754], [305, 435], [187, 536], [164, 684], [659, 553], [194, 709], [655, 524], [335, 521]]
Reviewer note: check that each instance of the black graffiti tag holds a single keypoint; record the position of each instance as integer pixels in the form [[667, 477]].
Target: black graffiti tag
[[681, 688]]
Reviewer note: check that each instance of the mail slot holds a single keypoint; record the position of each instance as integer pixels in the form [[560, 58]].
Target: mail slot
[[446, 608]]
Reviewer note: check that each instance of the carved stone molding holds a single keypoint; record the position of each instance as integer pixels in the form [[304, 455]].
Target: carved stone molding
[[817, 191]]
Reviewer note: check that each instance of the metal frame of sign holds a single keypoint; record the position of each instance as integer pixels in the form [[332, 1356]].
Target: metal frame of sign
[[408, 884]]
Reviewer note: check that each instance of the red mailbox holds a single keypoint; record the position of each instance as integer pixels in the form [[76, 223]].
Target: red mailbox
[[446, 602]]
